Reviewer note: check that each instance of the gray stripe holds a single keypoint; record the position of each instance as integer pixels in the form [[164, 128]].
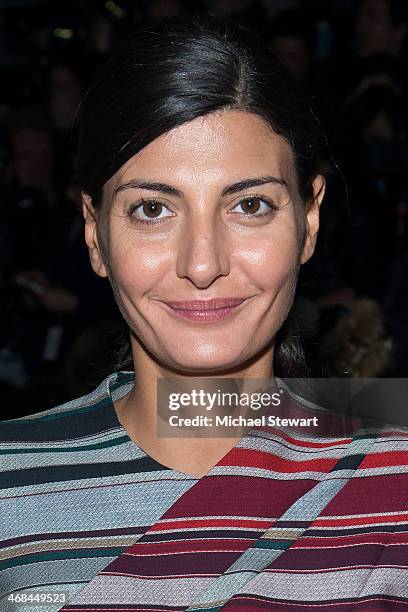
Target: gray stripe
[[310, 505], [264, 473], [69, 591], [48, 572], [330, 585], [384, 445], [283, 450], [125, 590], [91, 485], [220, 592], [303, 438], [99, 508], [122, 452]]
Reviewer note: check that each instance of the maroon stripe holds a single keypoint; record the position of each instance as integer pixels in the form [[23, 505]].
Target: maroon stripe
[[188, 564], [257, 496], [196, 546], [376, 555], [361, 495]]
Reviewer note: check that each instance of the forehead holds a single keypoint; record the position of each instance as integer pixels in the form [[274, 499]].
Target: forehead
[[221, 146]]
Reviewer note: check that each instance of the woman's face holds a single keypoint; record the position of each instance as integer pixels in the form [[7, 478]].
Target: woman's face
[[208, 210]]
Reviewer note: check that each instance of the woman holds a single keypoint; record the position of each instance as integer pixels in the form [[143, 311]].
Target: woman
[[198, 163]]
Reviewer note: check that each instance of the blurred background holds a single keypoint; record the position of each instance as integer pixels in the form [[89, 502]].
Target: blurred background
[[60, 330]]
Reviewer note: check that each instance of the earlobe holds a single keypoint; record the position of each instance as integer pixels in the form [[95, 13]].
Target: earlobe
[[312, 218], [91, 236]]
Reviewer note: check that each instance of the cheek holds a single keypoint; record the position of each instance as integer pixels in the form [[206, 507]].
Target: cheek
[[266, 259], [271, 258], [137, 267]]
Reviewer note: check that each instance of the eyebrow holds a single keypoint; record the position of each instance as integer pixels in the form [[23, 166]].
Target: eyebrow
[[170, 190]]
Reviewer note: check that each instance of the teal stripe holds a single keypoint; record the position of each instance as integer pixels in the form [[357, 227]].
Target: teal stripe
[[366, 435], [60, 555], [96, 446], [214, 609], [59, 415], [122, 379], [350, 462], [273, 544]]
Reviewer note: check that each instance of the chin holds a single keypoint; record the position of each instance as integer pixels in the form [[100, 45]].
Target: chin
[[205, 364]]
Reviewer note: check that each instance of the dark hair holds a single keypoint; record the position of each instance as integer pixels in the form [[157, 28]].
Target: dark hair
[[178, 71]]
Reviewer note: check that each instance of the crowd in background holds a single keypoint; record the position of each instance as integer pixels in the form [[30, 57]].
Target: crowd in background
[[59, 325]]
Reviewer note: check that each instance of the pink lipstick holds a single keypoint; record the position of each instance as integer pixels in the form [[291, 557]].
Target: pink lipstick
[[205, 310]]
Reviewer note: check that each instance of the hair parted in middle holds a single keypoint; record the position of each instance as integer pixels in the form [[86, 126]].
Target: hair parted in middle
[[178, 71]]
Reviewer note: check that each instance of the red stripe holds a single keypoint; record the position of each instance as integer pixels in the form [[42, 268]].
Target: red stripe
[[374, 460], [315, 444], [251, 458], [351, 540], [211, 522], [303, 443]]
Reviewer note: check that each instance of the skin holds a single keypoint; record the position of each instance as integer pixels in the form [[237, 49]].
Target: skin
[[206, 247]]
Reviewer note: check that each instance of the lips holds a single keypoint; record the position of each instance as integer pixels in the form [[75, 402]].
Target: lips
[[205, 311], [205, 305]]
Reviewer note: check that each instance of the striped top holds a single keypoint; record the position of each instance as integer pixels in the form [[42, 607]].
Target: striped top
[[284, 521]]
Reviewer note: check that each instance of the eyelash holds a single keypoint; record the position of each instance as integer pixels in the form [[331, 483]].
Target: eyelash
[[143, 201]]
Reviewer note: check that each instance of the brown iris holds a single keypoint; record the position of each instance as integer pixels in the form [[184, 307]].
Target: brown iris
[[252, 205], [151, 209]]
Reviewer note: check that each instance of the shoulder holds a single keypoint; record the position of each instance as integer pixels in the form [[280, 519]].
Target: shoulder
[[84, 418]]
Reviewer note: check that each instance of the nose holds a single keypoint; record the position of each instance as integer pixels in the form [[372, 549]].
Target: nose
[[203, 252]]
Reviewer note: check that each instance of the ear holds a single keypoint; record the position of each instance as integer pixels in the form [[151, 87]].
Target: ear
[[91, 236], [312, 218]]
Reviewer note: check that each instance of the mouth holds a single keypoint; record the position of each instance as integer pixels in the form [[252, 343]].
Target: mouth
[[206, 311]]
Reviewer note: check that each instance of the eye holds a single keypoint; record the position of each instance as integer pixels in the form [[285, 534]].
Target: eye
[[256, 204], [149, 211]]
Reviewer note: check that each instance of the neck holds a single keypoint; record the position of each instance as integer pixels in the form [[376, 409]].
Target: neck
[[137, 411]]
